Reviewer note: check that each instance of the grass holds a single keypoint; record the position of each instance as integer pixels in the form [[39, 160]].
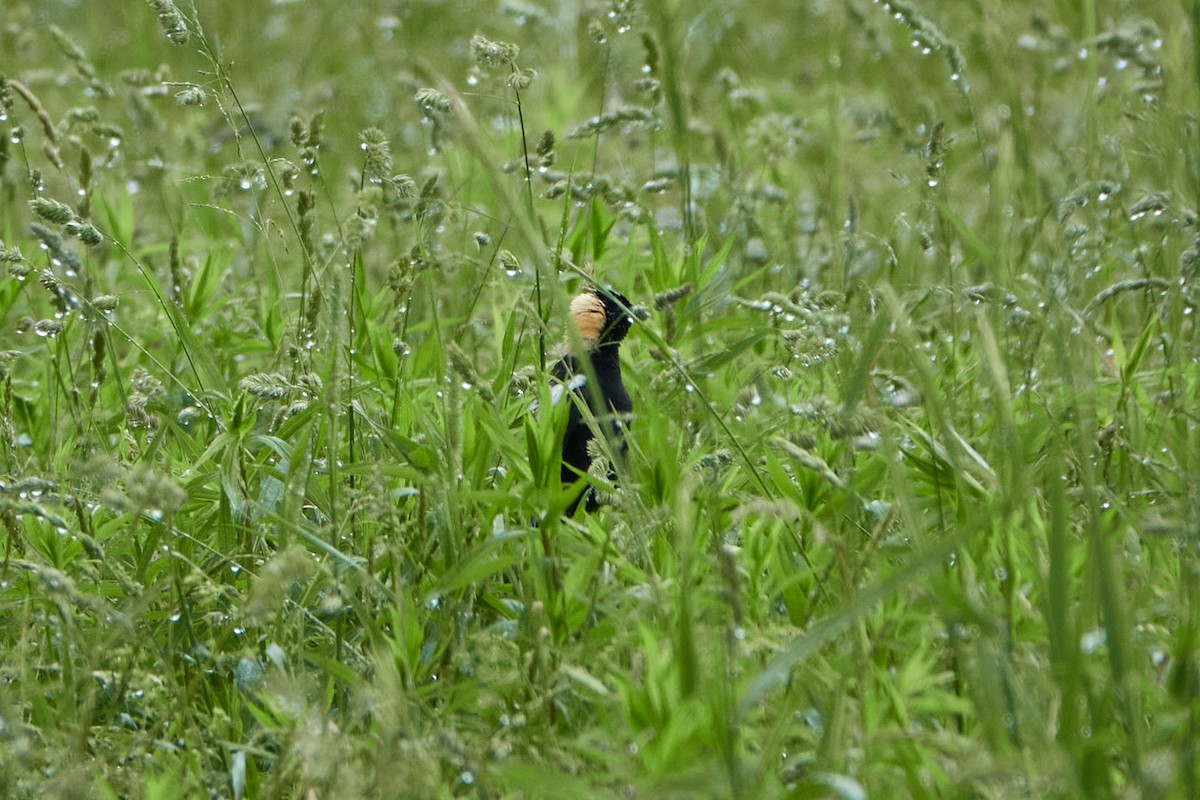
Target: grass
[[911, 507]]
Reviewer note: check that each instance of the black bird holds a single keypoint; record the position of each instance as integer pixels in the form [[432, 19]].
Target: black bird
[[602, 318]]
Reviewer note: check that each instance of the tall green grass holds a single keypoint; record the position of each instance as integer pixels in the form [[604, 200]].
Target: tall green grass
[[911, 504]]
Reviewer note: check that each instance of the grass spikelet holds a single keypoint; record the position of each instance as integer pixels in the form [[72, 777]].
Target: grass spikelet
[[84, 232], [377, 154], [48, 127], [545, 150], [935, 155], [670, 297], [521, 79], [149, 490], [465, 369], [61, 214], [48, 328], [602, 123], [191, 95], [56, 247], [79, 60], [402, 186], [171, 21], [52, 210], [490, 53], [269, 592], [1121, 287], [267, 385], [431, 100], [6, 100], [306, 207], [18, 266]]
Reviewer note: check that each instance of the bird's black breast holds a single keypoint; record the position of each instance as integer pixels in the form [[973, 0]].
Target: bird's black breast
[[610, 404]]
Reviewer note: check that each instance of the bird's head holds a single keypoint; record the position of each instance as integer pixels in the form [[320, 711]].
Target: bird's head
[[602, 317]]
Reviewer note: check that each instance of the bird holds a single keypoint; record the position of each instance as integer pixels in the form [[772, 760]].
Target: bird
[[602, 319]]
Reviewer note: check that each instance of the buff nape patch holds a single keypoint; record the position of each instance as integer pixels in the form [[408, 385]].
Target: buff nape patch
[[587, 310]]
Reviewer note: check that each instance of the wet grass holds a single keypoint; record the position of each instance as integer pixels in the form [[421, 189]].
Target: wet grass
[[913, 495]]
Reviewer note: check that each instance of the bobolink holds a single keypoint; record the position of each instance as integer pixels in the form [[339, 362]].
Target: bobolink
[[602, 318]]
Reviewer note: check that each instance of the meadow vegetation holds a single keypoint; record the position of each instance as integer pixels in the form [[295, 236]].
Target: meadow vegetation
[[912, 502]]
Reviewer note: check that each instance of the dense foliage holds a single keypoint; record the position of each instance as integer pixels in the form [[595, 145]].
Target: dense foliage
[[912, 503]]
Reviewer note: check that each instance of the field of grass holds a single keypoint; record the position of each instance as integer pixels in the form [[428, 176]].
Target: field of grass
[[912, 503]]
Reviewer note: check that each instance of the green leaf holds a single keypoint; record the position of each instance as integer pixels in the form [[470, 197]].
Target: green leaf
[[823, 632], [483, 561]]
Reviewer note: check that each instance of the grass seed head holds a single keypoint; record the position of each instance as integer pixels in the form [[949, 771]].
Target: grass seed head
[[191, 95], [377, 161], [171, 21], [521, 79], [52, 210], [493, 54], [431, 100]]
